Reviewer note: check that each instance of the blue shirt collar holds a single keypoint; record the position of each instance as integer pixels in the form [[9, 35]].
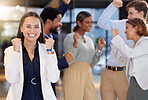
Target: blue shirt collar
[[49, 36]]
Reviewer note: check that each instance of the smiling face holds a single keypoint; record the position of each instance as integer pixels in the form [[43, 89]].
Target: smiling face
[[133, 13], [31, 29], [86, 24], [130, 32], [56, 24]]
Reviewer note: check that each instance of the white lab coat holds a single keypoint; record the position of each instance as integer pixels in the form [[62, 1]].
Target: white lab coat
[[13, 62], [135, 58]]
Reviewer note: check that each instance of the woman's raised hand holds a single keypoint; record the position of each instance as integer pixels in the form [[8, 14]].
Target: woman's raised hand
[[115, 32], [101, 43], [16, 42], [49, 45], [76, 37]]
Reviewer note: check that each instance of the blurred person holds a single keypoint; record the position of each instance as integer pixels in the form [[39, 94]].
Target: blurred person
[[114, 83], [31, 63], [78, 78], [52, 22], [135, 57]]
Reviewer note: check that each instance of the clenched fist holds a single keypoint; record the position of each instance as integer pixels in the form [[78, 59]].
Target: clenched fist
[[101, 43], [49, 45], [115, 32], [16, 42], [76, 37], [69, 57], [66, 1], [117, 3]]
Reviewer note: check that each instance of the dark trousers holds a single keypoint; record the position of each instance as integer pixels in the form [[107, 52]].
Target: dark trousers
[[135, 92]]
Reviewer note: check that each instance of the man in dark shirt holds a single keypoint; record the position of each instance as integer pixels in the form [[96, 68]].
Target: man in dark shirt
[[52, 22]]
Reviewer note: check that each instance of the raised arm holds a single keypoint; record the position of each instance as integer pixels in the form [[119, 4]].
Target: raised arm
[[12, 60], [137, 51], [53, 72], [120, 58], [97, 55], [105, 21], [64, 6], [70, 45]]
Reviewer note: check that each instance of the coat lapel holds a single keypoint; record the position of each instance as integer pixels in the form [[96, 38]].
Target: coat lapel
[[42, 60]]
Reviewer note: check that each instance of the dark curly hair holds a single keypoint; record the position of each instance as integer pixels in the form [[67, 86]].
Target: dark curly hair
[[49, 13]]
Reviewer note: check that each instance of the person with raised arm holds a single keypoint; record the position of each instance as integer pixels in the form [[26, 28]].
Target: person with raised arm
[[114, 83], [31, 63], [78, 80], [134, 56], [52, 22]]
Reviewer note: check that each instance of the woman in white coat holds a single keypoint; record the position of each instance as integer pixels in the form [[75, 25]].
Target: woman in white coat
[[31, 63], [135, 57]]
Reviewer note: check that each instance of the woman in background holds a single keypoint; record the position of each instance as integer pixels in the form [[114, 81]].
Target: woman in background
[[31, 63], [135, 57], [78, 80]]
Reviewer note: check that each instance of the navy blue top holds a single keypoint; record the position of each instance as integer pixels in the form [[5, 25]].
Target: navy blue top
[[31, 75], [63, 8], [62, 63]]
